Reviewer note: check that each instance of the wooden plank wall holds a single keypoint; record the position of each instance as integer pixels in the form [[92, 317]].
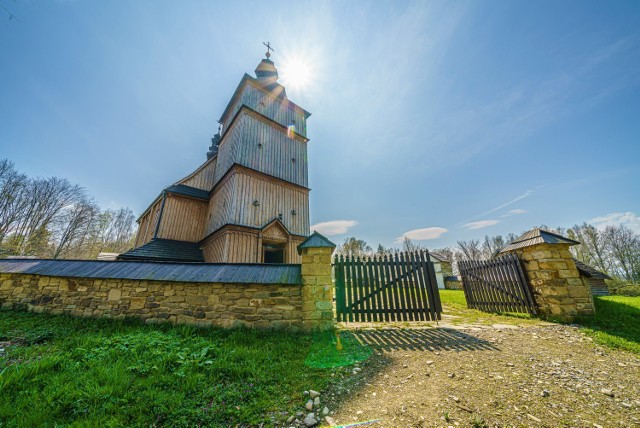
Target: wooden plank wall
[[213, 250], [203, 178], [258, 145], [233, 247], [291, 251], [244, 247], [147, 226], [183, 219], [232, 203], [275, 109]]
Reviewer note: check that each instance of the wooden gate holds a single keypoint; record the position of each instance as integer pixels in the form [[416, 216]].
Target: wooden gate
[[497, 285], [398, 287]]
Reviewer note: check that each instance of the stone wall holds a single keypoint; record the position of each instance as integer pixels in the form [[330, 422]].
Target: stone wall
[[317, 289], [452, 283], [202, 304], [557, 287]]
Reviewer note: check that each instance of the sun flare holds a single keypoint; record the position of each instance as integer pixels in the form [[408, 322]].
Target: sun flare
[[296, 74]]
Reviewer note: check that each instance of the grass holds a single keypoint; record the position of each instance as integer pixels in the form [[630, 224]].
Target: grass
[[59, 370], [454, 304], [616, 323]]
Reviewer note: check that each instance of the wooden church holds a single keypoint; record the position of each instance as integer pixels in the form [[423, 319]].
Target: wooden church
[[249, 202]]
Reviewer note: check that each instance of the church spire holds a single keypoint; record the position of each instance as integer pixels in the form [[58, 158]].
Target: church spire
[[267, 74]]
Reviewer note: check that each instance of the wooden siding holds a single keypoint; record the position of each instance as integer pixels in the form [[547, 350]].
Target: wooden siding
[[291, 251], [598, 286], [234, 245], [213, 249], [182, 219], [203, 177], [233, 203], [258, 145], [276, 109], [148, 224]]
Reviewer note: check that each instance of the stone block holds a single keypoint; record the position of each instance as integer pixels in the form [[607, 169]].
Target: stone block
[[176, 298], [137, 303], [114, 294], [578, 291], [197, 300], [325, 305], [554, 291], [553, 265], [242, 310], [568, 273]]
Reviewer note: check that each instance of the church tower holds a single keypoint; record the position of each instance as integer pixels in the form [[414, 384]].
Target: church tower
[[249, 202]]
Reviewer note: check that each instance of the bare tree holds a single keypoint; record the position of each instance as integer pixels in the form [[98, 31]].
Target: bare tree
[[72, 228], [593, 246], [410, 246], [470, 250], [13, 197], [624, 247], [47, 197]]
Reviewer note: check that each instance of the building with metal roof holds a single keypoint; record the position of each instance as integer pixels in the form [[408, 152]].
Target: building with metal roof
[[594, 278], [249, 201]]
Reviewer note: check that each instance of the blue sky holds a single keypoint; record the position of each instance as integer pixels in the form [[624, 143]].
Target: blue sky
[[441, 120]]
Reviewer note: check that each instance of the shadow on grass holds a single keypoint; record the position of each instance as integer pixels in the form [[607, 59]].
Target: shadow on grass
[[616, 316], [432, 339]]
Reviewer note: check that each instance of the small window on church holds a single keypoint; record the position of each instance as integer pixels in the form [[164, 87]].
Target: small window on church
[[273, 253]]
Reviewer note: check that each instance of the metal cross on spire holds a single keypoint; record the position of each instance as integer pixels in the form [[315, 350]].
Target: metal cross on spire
[[269, 48]]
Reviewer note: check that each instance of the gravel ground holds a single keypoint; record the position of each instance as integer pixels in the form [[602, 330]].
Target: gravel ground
[[495, 376]]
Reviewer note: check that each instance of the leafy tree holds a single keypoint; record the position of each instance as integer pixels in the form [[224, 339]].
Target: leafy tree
[[354, 247]]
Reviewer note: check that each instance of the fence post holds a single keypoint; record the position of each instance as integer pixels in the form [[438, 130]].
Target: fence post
[[317, 286], [558, 289]]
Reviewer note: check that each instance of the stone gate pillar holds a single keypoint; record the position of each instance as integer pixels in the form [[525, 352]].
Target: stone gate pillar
[[557, 287], [317, 286]]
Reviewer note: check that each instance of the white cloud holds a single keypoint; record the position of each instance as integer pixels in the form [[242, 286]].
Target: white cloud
[[423, 234], [513, 201], [334, 227], [480, 224], [629, 219], [517, 211]]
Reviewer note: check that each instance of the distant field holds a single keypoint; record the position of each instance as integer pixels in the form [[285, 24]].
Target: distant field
[[616, 323]]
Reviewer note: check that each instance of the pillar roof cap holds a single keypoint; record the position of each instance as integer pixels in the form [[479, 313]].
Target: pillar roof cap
[[537, 236], [316, 240]]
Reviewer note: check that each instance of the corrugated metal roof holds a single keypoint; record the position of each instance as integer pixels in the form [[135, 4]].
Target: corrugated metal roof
[[537, 236], [165, 250], [158, 271], [589, 271], [439, 257], [192, 192], [316, 240]]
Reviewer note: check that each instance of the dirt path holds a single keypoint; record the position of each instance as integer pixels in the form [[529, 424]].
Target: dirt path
[[501, 375]]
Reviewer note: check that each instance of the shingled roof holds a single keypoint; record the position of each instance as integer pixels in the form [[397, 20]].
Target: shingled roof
[[192, 192], [537, 236], [165, 250], [589, 271]]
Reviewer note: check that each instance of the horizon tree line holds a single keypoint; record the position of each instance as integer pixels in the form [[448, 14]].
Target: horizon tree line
[[614, 250]]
